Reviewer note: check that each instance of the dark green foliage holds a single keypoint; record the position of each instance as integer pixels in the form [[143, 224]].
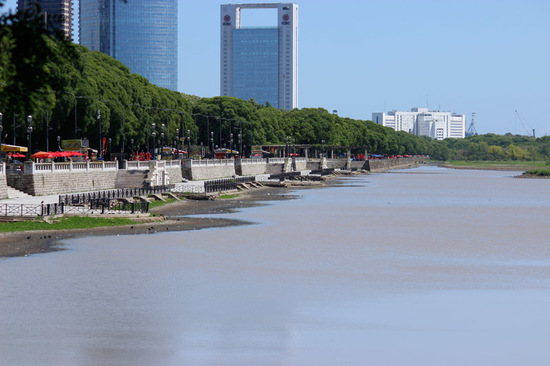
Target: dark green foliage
[[538, 172], [62, 86]]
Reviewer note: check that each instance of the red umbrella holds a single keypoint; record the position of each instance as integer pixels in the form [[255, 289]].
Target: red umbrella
[[42, 155], [18, 155]]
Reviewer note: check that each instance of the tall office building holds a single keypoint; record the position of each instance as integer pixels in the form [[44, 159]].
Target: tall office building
[[57, 13], [422, 122], [260, 62], [142, 34]]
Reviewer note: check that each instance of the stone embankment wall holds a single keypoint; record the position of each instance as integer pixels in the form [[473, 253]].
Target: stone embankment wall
[[387, 164], [3, 186], [41, 184], [203, 172], [175, 174], [246, 167]]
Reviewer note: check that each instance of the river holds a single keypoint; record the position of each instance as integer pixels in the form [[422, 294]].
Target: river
[[427, 266]]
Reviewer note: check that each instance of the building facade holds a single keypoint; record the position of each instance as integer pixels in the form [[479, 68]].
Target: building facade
[[422, 122], [57, 13], [260, 63], [142, 34]]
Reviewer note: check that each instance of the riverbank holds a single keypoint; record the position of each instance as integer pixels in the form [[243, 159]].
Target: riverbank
[[178, 216], [493, 165]]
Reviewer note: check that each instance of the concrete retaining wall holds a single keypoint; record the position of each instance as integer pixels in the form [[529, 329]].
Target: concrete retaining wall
[[336, 163], [208, 172], [3, 187], [41, 184], [175, 174], [387, 164], [250, 169]]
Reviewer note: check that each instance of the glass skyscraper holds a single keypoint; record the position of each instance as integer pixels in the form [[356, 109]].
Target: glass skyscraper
[[255, 65], [142, 34], [260, 63], [58, 13]]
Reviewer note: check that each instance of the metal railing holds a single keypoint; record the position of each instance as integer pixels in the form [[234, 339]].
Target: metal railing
[[30, 210], [227, 184], [84, 198]]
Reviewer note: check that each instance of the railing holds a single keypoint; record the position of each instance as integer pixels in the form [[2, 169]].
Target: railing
[[30, 210], [207, 162], [276, 160], [32, 167], [251, 161], [136, 164], [227, 184], [84, 198], [2, 168]]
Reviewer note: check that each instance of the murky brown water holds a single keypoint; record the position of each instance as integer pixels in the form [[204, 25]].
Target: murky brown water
[[419, 267]]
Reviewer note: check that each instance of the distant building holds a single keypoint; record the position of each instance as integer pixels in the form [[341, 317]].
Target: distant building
[[422, 122], [142, 34], [260, 63], [57, 13]]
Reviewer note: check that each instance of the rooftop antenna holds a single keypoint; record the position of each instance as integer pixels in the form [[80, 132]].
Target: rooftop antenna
[[472, 129]]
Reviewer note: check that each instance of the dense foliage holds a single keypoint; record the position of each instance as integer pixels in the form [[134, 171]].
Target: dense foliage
[[63, 86]]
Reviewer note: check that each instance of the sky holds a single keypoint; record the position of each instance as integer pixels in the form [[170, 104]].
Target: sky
[[488, 57]]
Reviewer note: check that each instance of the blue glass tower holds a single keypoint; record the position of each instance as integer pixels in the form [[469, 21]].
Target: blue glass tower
[[142, 34], [255, 65], [260, 62]]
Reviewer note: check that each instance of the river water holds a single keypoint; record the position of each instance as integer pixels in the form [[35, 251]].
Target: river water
[[427, 266]]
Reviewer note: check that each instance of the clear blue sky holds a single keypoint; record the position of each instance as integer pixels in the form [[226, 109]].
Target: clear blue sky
[[356, 56]]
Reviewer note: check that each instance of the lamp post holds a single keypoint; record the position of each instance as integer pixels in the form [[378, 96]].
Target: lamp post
[[110, 151], [99, 155], [59, 143], [323, 151], [29, 132], [211, 145], [132, 149], [231, 144], [153, 135], [177, 142], [162, 140], [241, 144], [188, 144]]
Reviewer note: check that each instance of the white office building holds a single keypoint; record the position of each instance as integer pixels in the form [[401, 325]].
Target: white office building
[[260, 63], [422, 122]]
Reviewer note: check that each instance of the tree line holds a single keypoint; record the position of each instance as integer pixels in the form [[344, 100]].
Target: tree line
[[72, 92]]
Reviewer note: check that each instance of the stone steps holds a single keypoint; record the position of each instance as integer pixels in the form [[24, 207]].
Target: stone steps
[[15, 193]]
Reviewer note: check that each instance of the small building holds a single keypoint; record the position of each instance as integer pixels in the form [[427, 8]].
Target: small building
[[422, 122]]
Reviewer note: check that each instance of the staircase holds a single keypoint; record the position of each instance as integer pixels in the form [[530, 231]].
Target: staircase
[[15, 193], [131, 178]]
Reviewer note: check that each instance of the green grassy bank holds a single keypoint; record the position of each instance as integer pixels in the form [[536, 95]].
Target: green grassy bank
[[64, 223]]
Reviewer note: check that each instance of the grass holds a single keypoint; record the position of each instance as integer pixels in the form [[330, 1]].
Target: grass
[[538, 172], [159, 203], [64, 223], [492, 164], [228, 196]]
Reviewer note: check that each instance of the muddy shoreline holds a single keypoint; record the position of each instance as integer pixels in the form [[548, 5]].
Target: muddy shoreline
[[183, 215]]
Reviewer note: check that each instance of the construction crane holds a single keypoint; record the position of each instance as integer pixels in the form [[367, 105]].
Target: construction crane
[[525, 125], [472, 129]]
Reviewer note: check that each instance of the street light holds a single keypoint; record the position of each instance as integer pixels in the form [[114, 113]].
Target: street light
[[162, 140], [59, 143], [323, 151], [188, 144], [241, 144], [153, 135], [132, 148], [99, 155], [29, 132], [110, 151], [177, 142], [211, 145]]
